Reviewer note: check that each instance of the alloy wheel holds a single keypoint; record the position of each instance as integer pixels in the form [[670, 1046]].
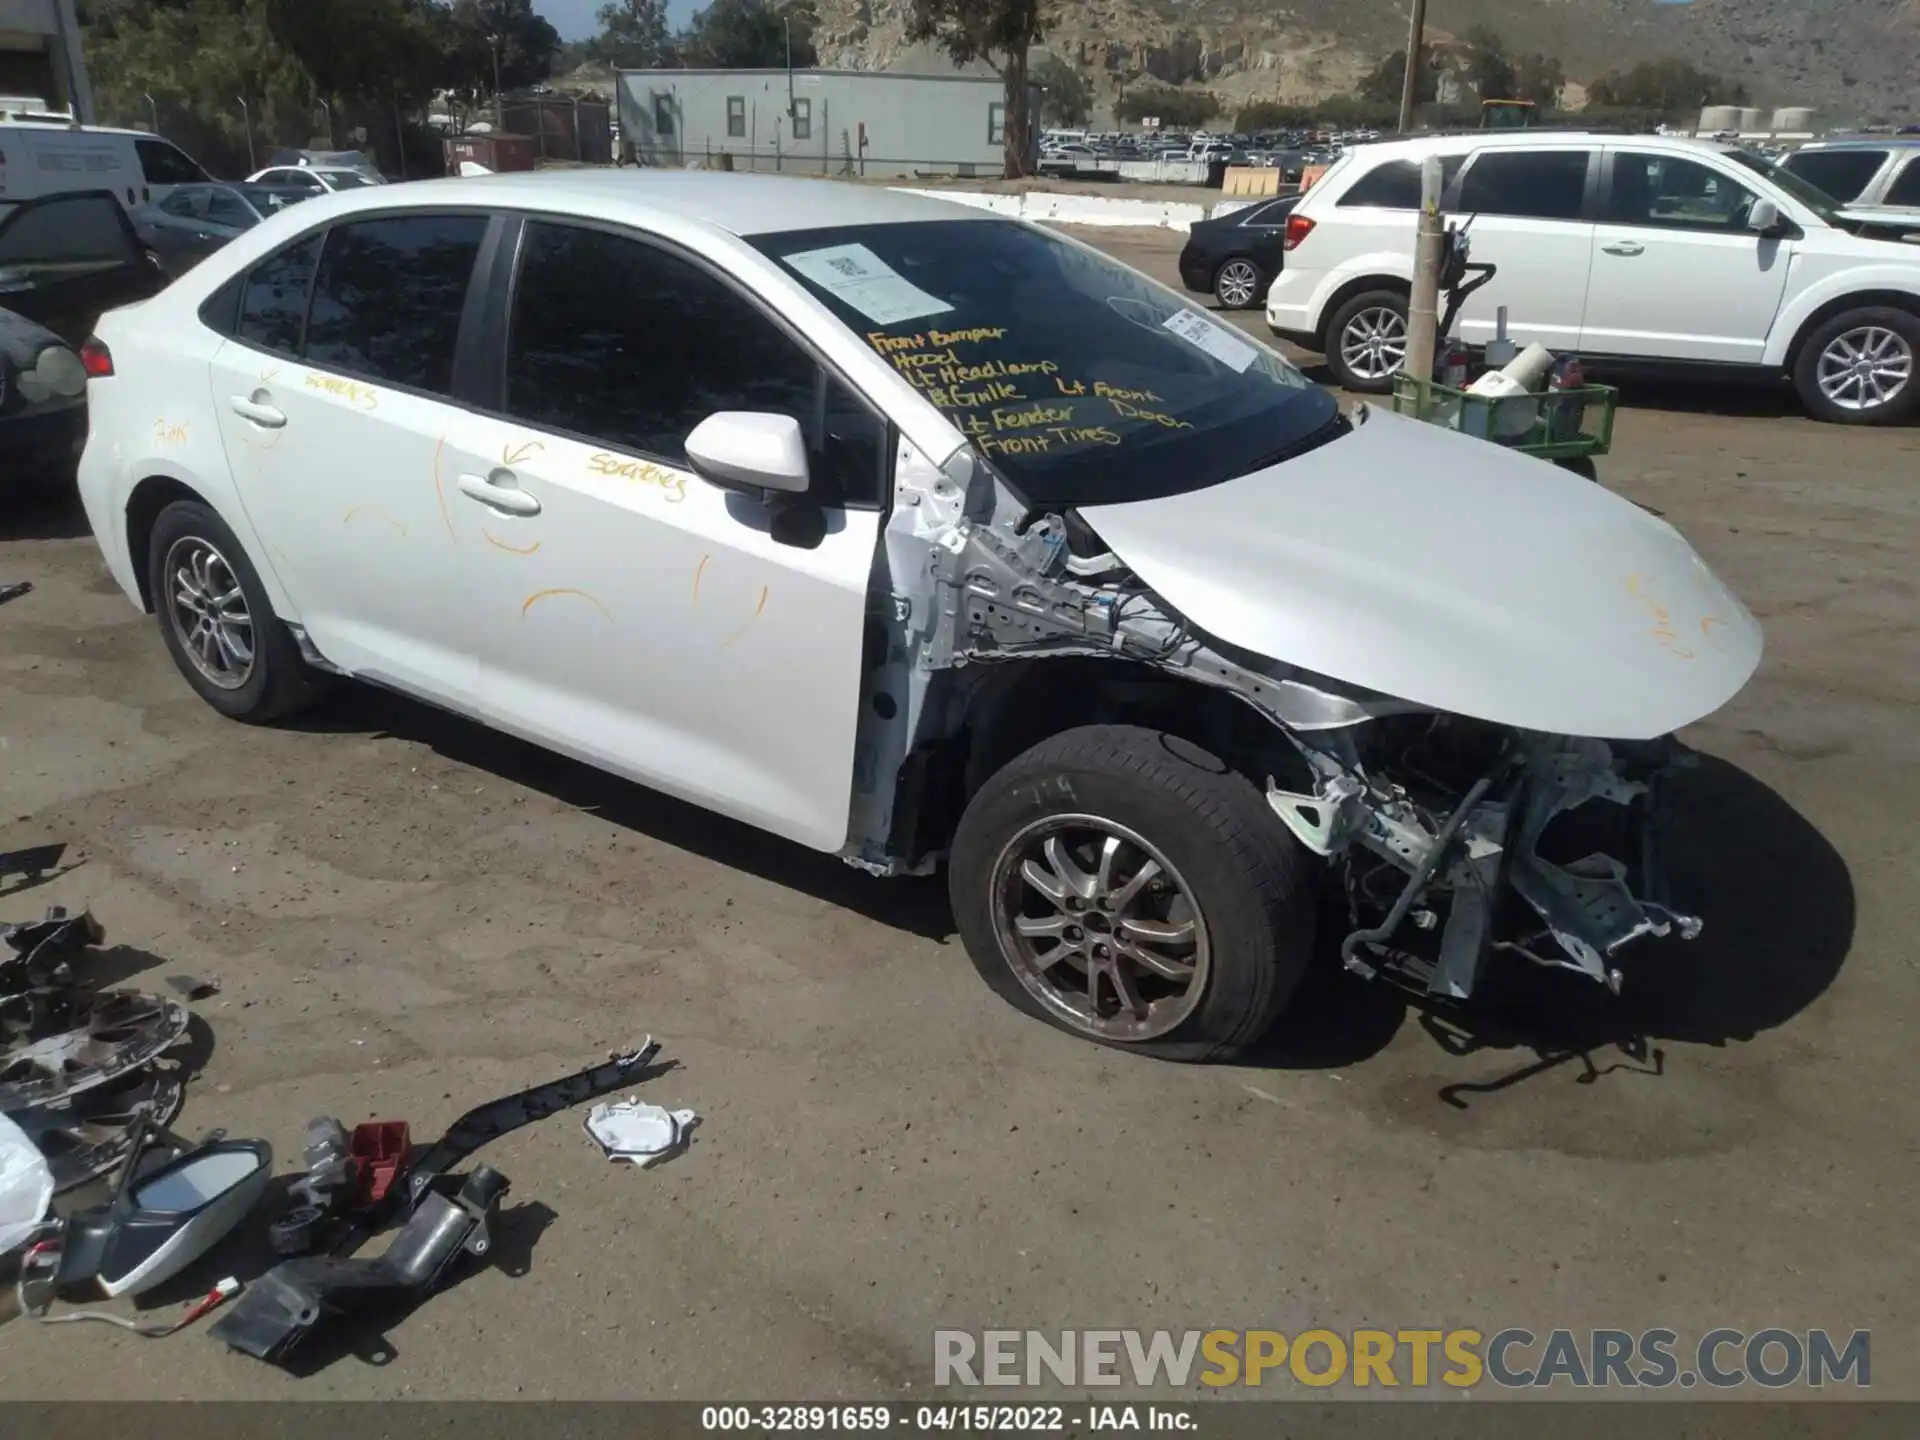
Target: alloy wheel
[[1100, 928], [1866, 367], [1237, 283], [209, 612], [1374, 344]]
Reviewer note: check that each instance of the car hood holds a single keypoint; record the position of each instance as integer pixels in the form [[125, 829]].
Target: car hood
[[1441, 569]]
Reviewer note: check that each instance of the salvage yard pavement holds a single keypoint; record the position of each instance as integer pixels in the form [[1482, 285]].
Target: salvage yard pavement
[[407, 912]]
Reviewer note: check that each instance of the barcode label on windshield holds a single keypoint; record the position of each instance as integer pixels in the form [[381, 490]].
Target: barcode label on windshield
[[1215, 340], [856, 275]]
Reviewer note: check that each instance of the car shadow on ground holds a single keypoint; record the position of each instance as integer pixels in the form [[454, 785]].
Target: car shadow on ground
[[49, 511], [916, 905], [1778, 902]]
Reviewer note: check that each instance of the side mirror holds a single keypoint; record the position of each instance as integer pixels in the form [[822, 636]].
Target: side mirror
[[1764, 218], [747, 450]]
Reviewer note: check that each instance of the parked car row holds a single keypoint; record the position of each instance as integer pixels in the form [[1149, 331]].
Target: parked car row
[[1640, 253]]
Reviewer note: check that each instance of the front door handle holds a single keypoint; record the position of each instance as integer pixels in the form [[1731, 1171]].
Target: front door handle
[[1625, 247], [259, 412], [501, 491]]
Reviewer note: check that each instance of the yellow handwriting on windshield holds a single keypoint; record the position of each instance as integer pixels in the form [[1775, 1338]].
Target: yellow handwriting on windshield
[[1034, 418], [1153, 417]]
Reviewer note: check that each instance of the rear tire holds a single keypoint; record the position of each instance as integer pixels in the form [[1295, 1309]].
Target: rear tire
[[1367, 341], [216, 621], [1237, 284], [1183, 943], [1844, 366]]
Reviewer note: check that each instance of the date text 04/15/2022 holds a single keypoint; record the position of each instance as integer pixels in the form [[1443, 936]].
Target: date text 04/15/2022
[[942, 1419]]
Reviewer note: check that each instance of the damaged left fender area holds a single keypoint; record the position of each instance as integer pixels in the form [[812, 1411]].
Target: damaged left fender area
[[1430, 820]]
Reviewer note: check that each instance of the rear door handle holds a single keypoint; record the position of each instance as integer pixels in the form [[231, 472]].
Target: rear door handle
[[260, 414], [1625, 247], [503, 494]]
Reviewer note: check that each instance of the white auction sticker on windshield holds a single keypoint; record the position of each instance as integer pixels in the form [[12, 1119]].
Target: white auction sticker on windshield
[[855, 274], [1222, 344]]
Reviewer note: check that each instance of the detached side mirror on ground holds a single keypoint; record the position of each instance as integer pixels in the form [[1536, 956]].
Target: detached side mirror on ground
[[747, 450]]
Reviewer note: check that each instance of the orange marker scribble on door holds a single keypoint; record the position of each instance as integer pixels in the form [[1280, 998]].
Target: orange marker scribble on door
[[169, 434], [511, 454], [352, 391], [538, 595], [757, 609], [378, 513], [440, 490], [499, 544]]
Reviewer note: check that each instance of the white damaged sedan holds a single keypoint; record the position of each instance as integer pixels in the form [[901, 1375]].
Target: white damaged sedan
[[918, 535]]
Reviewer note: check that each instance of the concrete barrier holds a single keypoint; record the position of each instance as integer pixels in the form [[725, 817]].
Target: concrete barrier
[[1061, 209]]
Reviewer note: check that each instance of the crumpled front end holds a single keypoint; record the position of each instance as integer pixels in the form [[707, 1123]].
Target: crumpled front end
[[1459, 839]]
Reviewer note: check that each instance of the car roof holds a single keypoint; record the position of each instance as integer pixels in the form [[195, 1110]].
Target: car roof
[[1865, 142], [1418, 145], [737, 204], [63, 127]]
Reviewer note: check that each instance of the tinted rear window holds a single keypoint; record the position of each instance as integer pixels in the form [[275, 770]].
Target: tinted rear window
[[1843, 174], [1527, 184], [387, 301], [1082, 381], [66, 230], [273, 308]]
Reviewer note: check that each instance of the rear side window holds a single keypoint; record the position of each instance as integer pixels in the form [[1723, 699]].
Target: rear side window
[[83, 229], [273, 307], [226, 209], [388, 297], [1843, 174], [1395, 184], [162, 164], [1906, 185], [184, 203], [1529, 185]]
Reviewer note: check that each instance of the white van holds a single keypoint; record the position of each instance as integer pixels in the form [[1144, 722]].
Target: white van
[[48, 157]]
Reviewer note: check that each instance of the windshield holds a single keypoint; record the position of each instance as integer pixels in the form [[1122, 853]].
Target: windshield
[[1811, 196], [349, 179], [1080, 380]]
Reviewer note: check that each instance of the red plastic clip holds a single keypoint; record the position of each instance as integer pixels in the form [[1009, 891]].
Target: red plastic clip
[[379, 1150]]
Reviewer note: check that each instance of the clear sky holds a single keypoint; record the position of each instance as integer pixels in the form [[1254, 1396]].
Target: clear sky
[[574, 18]]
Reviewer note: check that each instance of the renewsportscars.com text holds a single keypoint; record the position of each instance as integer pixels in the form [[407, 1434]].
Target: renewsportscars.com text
[[1513, 1358]]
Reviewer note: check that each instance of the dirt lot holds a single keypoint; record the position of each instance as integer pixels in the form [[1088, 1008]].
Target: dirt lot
[[409, 914]]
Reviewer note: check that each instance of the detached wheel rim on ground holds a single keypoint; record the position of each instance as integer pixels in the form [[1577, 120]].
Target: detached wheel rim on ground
[[1100, 928], [209, 612], [1237, 282], [1374, 343], [1865, 368]]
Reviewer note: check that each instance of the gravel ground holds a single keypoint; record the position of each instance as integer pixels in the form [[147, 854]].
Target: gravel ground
[[409, 914]]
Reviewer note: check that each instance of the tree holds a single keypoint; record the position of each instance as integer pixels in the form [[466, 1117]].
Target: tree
[[1667, 87], [1489, 70], [633, 35], [748, 35], [1389, 78], [503, 40], [1538, 78], [1066, 98], [1178, 109], [1000, 32], [1272, 115]]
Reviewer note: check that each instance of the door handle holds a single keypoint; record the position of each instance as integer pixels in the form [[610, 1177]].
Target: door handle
[[259, 413], [1625, 247], [503, 494]]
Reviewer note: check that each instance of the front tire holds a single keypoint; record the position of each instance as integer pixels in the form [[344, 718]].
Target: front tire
[[1860, 367], [1129, 888], [1367, 341], [216, 621]]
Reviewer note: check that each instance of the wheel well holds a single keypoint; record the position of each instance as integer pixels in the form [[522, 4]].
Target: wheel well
[[149, 498], [1345, 293], [1892, 299], [1031, 701]]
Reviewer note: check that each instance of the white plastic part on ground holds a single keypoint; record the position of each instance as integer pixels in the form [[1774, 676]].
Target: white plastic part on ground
[[637, 1132], [26, 1186]]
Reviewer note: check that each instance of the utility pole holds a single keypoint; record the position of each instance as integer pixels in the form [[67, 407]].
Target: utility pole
[[499, 122], [787, 20], [246, 114], [1416, 47], [1429, 253]]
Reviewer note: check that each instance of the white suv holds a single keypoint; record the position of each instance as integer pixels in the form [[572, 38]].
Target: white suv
[[1639, 251]]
